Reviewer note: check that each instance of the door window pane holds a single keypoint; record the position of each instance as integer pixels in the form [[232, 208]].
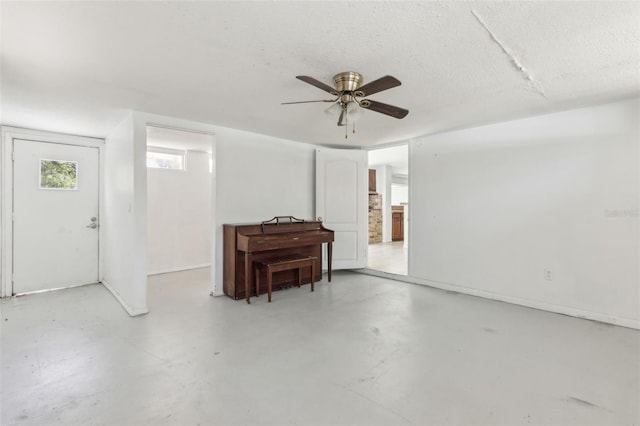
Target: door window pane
[[58, 174]]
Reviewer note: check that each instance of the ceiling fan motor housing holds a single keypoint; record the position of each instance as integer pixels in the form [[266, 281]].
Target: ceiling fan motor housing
[[347, 81]]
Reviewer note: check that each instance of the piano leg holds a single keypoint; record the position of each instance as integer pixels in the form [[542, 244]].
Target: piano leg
[[247, 276], [313, 273], [329, 249]]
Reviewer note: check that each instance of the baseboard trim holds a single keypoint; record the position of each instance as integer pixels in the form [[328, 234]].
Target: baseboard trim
[[178, 269], [27, 293], [130, 310], [543, 306]]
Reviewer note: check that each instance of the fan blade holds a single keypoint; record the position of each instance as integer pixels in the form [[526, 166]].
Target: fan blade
[[391, 110], [383, 83], [320, 85], [340, 118], [306, 102]]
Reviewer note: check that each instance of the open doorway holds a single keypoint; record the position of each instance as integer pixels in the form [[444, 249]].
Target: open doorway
[[388, 209], [179, 205]]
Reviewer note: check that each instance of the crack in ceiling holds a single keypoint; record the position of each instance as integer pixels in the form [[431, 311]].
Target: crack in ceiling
[[533, 83]]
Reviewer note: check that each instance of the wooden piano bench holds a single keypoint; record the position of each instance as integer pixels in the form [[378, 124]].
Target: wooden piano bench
[[283, 264]]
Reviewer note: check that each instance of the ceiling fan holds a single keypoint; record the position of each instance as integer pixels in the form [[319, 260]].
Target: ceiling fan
[[349, 92]]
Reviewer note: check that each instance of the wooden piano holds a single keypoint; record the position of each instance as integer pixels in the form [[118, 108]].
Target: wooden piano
[[279, 237]]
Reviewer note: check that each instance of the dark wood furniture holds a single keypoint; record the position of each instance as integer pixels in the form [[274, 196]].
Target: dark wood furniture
[[286, 264], [397, 223], [280, 237], [372, 181]]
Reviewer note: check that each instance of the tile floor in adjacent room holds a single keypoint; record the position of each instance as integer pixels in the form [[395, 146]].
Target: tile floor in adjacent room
[[360, 350], [388, 257]]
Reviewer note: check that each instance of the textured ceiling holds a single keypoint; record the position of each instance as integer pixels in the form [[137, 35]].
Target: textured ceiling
[[78, 66]]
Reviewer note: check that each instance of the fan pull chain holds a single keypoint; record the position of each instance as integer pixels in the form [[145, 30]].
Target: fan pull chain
[[346, 122]]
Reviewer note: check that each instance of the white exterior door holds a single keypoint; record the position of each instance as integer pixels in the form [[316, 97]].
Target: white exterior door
[[341, 202], [55, 215]]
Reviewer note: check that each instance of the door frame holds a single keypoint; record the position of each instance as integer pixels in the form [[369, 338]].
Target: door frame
[[9, 135], [212, 195]]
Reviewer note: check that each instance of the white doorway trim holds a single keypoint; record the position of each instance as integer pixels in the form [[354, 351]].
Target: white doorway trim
[[141, 121], [9, 134]]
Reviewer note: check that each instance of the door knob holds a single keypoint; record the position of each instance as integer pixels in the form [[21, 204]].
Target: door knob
[[93, 225], [319, 218]]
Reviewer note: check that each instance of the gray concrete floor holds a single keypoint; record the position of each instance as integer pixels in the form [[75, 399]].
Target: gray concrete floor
[[360, 350]]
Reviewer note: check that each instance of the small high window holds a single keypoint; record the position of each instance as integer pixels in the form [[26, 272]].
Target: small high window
[[164, 158]]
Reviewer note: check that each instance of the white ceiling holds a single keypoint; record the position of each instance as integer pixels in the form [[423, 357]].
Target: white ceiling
[[79, 66]]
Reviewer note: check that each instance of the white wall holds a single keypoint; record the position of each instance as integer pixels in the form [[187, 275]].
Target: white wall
[[121, 219], [179, 216], [493, 207], [259, 177], [399, 194], [255, 177]]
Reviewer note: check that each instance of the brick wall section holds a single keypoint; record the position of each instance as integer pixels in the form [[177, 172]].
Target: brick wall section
[[375, 218]]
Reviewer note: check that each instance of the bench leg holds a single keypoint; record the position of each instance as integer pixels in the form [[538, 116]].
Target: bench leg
[[299, 273], [269, 279], [313, 273]]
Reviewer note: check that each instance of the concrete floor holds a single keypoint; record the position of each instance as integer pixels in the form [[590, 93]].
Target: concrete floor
[[360, 350]]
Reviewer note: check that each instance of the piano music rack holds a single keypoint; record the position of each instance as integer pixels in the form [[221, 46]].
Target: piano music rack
[[276, 221]]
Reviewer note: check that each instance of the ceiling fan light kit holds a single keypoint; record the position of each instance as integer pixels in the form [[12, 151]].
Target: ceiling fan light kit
[[348, 90], [353, 112]]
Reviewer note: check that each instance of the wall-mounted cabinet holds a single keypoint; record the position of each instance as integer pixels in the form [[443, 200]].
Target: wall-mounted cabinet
[[372, 181]]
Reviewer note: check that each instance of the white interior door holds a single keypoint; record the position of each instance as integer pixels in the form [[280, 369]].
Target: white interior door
[[55, 215], [341, 202]]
